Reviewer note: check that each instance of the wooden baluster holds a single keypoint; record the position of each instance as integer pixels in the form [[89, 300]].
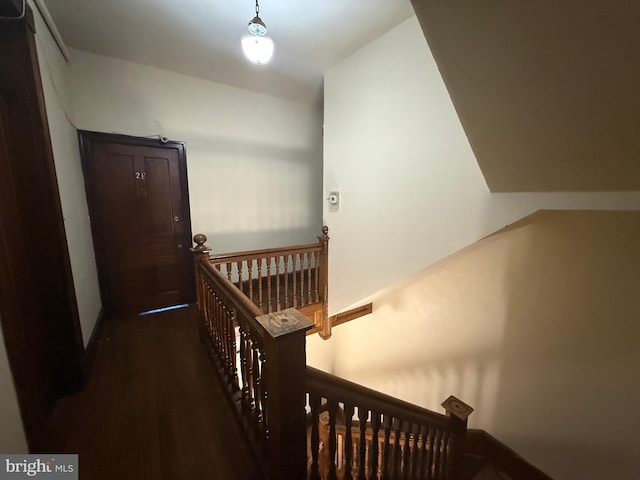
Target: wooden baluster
[[269, 307], [239, 268], [301, 258], [436, 453], [363, 415], [244, 371], [212, 316], [421, 471], [429, 458], [397, 449], [220, 334], [286, 281], [216, 321], [250, 275], [386, 450], [373, 449], [356, 454], [233, 349], [406, 452], [259, 261], [255, 371], [314, 403], [332, 408], [309, 297], [229, 270], [316, 259], [444, 447], [278, 306], [224, 340], [415, 457], [348, 442], [264, 421], [295, 280]]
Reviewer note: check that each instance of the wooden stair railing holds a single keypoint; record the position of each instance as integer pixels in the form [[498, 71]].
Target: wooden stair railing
[[279, 278], [356, 432], [261, 361], [304, 423]]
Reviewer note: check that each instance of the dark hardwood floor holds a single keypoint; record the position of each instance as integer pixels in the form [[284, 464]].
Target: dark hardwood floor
[[153, 409]]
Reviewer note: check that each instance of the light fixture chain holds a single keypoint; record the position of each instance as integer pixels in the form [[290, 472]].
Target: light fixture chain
[[257, 9]]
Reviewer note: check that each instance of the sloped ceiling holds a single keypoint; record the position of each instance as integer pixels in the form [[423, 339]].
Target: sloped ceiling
[[547, 91]]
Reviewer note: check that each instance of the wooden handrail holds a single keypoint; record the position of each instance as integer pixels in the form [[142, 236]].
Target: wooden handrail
[[368, 434], [283, 277], [245, 307], [261, 361], [330, 386], [272, 252]]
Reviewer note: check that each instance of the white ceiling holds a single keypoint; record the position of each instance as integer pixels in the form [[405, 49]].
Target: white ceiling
[[202, 37]]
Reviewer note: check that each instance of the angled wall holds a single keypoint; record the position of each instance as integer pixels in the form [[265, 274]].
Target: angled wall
[[411, 191]]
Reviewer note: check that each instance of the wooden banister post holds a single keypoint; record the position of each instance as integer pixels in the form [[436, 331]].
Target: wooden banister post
[[458, 412], [325, 330], [199, 252], [284, 374]]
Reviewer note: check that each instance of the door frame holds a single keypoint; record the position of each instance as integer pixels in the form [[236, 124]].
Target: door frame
[[36, 282], [87, 139]]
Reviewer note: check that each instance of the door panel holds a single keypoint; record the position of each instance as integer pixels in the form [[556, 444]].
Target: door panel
[[140, 217]]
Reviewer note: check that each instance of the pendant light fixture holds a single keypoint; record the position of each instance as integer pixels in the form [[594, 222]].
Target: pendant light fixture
[[257, 47]]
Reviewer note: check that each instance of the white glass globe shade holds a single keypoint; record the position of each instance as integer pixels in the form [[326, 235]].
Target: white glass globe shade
[[258, 50]]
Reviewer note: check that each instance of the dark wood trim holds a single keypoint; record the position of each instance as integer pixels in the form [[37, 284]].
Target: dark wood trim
[[91, 349], [86, 140], [352, 314], [481, 444], [40, 319], [11, 8]]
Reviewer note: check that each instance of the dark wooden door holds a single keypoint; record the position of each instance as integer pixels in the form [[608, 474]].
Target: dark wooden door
[[137, 192]]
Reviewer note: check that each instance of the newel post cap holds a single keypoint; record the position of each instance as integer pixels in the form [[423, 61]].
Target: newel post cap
[[199, 239], [284, 322], [456, 407], [325, 233]]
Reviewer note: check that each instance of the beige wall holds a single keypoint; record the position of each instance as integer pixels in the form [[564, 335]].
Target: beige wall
[[254, 162], [536, 326]]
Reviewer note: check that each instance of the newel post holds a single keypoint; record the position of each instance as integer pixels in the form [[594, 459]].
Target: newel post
[[284, 374], [458, 412], [323, 282], [199, 252]]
